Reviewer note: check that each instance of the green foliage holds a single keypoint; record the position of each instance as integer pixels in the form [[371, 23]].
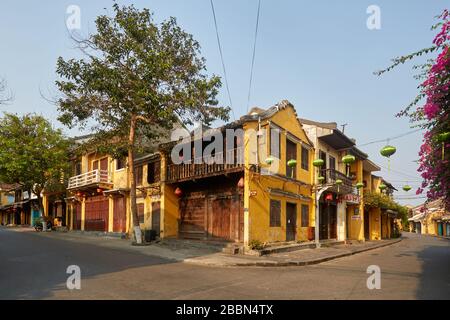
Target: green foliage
[[256, 245], [32, 153], [136, 70], [378, 200]]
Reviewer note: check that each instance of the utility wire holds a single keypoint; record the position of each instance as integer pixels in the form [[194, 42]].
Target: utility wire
[[221, 58], [254, 54], [390, 138], [400, 172]]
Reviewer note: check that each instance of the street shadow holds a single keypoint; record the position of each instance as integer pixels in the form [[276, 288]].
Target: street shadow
[[32, 266], [435, 277]]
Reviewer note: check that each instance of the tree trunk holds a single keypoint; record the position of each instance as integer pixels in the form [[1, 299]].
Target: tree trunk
[[131, 173]]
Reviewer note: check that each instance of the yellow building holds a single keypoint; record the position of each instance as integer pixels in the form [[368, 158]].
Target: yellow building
[[257, 196]]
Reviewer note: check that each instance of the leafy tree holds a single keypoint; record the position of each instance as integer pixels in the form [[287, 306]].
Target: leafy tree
[[434, 114], [136, 76], [32, 154]]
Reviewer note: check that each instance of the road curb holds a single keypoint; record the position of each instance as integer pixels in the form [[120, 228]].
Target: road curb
[[287, 263]]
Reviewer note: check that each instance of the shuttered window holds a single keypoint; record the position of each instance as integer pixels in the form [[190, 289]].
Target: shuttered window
[[275, 213], [139, 175], [305, 215], [305, 158], [153, 172]]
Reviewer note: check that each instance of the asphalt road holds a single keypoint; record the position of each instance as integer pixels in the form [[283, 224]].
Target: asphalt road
[[33, 266]]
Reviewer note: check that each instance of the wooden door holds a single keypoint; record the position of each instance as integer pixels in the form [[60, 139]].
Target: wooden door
[[96, 214], [156, 217], [291, 221], [323, 221], [192, 218], [77, 216], [333, 221], [219, 217], [366, 225], [119, 215]]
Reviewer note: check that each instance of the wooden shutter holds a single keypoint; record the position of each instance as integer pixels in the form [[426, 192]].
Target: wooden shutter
[[275, 213], [305, 215]]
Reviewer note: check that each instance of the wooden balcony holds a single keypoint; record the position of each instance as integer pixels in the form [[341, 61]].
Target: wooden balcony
[[209, 168], [331, 175], [95, 178]]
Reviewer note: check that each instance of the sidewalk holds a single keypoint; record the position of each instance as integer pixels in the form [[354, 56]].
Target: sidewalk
[[294, 258], [207, 254]]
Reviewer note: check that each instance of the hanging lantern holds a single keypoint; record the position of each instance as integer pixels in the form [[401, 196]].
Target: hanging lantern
[[407, 188], [178, 192], [348, 159], [359, 185], [269, 160], [382, 187], [318, 163], [321, 179], [387, 152], [241, 183], [292, 163], [329, 197], [338, 183], [442, 138]]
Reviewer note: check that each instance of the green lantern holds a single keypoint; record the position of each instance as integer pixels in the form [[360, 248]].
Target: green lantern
[[348, 159], [387, 152], [382, 187], [292, 163], [359, 185], [269, 160], [407, 188], [321, 179], [338, 183], [318, 163]]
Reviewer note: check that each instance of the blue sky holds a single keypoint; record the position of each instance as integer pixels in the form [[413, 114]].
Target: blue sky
[[317, 54]]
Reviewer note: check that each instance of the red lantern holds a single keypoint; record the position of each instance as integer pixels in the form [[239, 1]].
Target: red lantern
[[99, 190], [178, 192], [241, 183], [329, 197]]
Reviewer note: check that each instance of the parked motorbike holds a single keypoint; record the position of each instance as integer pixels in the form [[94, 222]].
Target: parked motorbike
[[40, 227]]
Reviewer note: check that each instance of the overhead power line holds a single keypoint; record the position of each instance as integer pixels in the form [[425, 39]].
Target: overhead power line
[[221, 58], [254, 54], [400, 172], [390, 138]]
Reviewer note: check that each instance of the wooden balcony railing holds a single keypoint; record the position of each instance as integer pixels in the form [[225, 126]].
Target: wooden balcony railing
[[208, 167], [89, 178], [331, 175]]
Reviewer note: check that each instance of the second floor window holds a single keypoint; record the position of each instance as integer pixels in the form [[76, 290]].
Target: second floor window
[[120, 163], [332, 163], [291, 154], [139, 175], [153, 172], [274, 147], [305, 158]]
